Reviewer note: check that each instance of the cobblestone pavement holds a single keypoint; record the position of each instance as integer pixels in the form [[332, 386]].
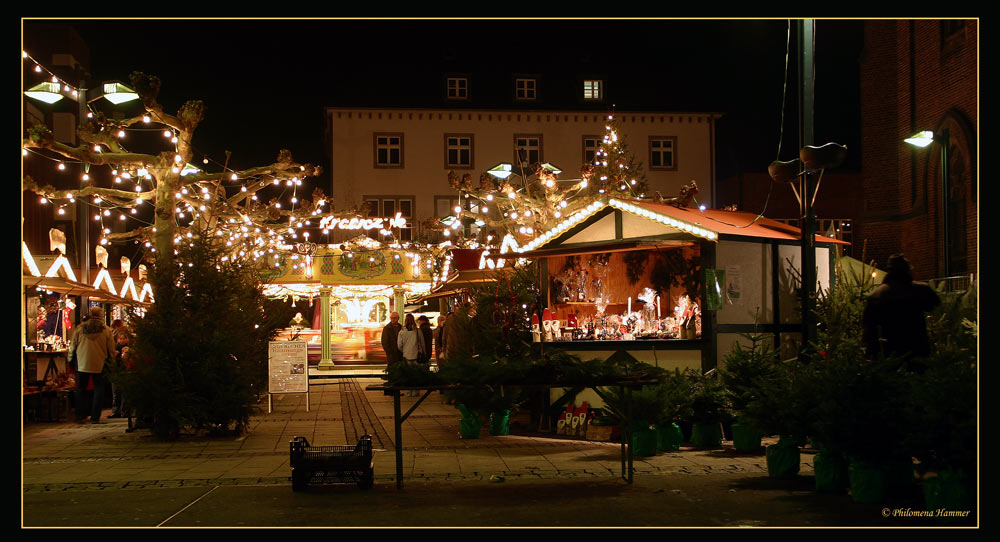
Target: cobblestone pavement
[[65, 462]]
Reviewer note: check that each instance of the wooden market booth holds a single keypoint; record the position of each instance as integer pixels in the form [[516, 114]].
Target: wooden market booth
[[738, 270], [357, 289]]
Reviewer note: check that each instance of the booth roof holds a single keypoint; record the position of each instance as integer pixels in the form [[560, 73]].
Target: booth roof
[[736, 223]]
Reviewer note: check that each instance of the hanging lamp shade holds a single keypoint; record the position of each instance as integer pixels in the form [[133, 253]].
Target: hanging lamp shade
[[45, 92], [117, 93], [501, 170]]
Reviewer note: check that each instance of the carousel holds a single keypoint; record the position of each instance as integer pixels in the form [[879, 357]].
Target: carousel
[[352, 288]]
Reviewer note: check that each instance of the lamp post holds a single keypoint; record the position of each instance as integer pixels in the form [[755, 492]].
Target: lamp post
[[924, 139], [52, 92]]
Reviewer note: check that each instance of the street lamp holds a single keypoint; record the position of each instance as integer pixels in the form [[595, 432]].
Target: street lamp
[[52, 92], [923, 139]]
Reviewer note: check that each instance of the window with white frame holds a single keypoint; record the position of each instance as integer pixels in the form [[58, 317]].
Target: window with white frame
[[528, 149], [663, 152], [593, 89], [458, 88], [525, 89], [387, 207], [388, 150], [590, 145], [458, 151]]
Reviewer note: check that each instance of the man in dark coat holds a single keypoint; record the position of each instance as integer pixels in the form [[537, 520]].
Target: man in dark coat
[[389, 335], [894, 322], [424, 327]]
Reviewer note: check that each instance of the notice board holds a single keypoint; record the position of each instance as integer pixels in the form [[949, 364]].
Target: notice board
[[288, 367]]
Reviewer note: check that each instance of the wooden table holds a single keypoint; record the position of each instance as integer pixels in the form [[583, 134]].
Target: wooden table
[[626, 429]]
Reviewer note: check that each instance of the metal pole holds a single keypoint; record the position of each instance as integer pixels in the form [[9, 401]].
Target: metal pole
[[808, 222], [83, 224], [942, 141]]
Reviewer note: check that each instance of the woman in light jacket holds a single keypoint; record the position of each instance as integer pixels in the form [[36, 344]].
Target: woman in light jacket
[[410, 340], [411, 345]]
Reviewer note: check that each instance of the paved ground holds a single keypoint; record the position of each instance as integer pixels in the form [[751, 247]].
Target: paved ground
[[98, 475]]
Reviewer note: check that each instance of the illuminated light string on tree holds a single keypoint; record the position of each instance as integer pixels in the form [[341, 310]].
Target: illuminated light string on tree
[[499, 207], [182, 196]]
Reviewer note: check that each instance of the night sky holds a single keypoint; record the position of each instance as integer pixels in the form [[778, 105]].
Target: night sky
[[265, 82]]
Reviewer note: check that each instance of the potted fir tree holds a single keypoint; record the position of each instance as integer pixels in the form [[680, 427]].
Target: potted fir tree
[[674, 394], [708, 408], [781, 408], [743, 371]]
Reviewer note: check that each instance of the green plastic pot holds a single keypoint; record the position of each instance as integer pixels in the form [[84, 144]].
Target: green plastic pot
[[746, 438], [706, 435], [669, 437], [500, 422], [783, 459], [643, 439], [470, 425], [831, 472], [868, 482], [949, 490]]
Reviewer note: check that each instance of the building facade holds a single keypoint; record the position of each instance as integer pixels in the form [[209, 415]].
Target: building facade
[[398, 160], [919, 75]]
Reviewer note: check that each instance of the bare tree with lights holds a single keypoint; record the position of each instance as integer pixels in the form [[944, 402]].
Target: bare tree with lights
[[539, 200], [183, 201]]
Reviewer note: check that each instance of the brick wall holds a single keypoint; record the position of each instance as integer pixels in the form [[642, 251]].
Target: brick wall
[[912, 79]]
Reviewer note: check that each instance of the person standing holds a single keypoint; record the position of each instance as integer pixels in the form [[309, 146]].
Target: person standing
[[893, 319], [123, 340], [439, 338], [410, 344], [390, 335], [426, 339], [91, 347], [410, 340]]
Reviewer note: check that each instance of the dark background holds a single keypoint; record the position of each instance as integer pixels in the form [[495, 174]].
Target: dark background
[[266, 82]]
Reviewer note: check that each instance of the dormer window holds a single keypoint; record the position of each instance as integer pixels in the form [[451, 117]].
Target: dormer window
[[525, 89], [458, 88], [593, 89]]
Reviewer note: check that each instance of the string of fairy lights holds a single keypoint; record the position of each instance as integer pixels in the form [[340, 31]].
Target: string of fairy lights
[[253, 231], [231, 200]]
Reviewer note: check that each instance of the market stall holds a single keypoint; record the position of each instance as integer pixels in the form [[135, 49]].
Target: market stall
[[670, 286], [357, 286]]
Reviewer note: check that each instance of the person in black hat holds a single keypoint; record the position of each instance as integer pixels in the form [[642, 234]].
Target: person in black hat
[[893, 320]]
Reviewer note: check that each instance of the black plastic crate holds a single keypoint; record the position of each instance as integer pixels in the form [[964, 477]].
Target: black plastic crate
[[331, 464]]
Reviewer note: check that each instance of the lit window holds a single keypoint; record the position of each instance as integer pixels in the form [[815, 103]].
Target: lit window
[[592, 89]]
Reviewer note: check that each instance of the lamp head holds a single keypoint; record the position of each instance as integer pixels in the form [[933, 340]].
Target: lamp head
[[551, 168], [921, 139], [501, 170], [117, 93], [826, 156], [45, 92], [783, 172]]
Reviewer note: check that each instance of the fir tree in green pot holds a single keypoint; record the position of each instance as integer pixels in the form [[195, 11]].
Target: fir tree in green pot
[[708, 408], [780, 408], [742, 372], [944, 405], [645, 406], [876, 418], [674, 395]]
